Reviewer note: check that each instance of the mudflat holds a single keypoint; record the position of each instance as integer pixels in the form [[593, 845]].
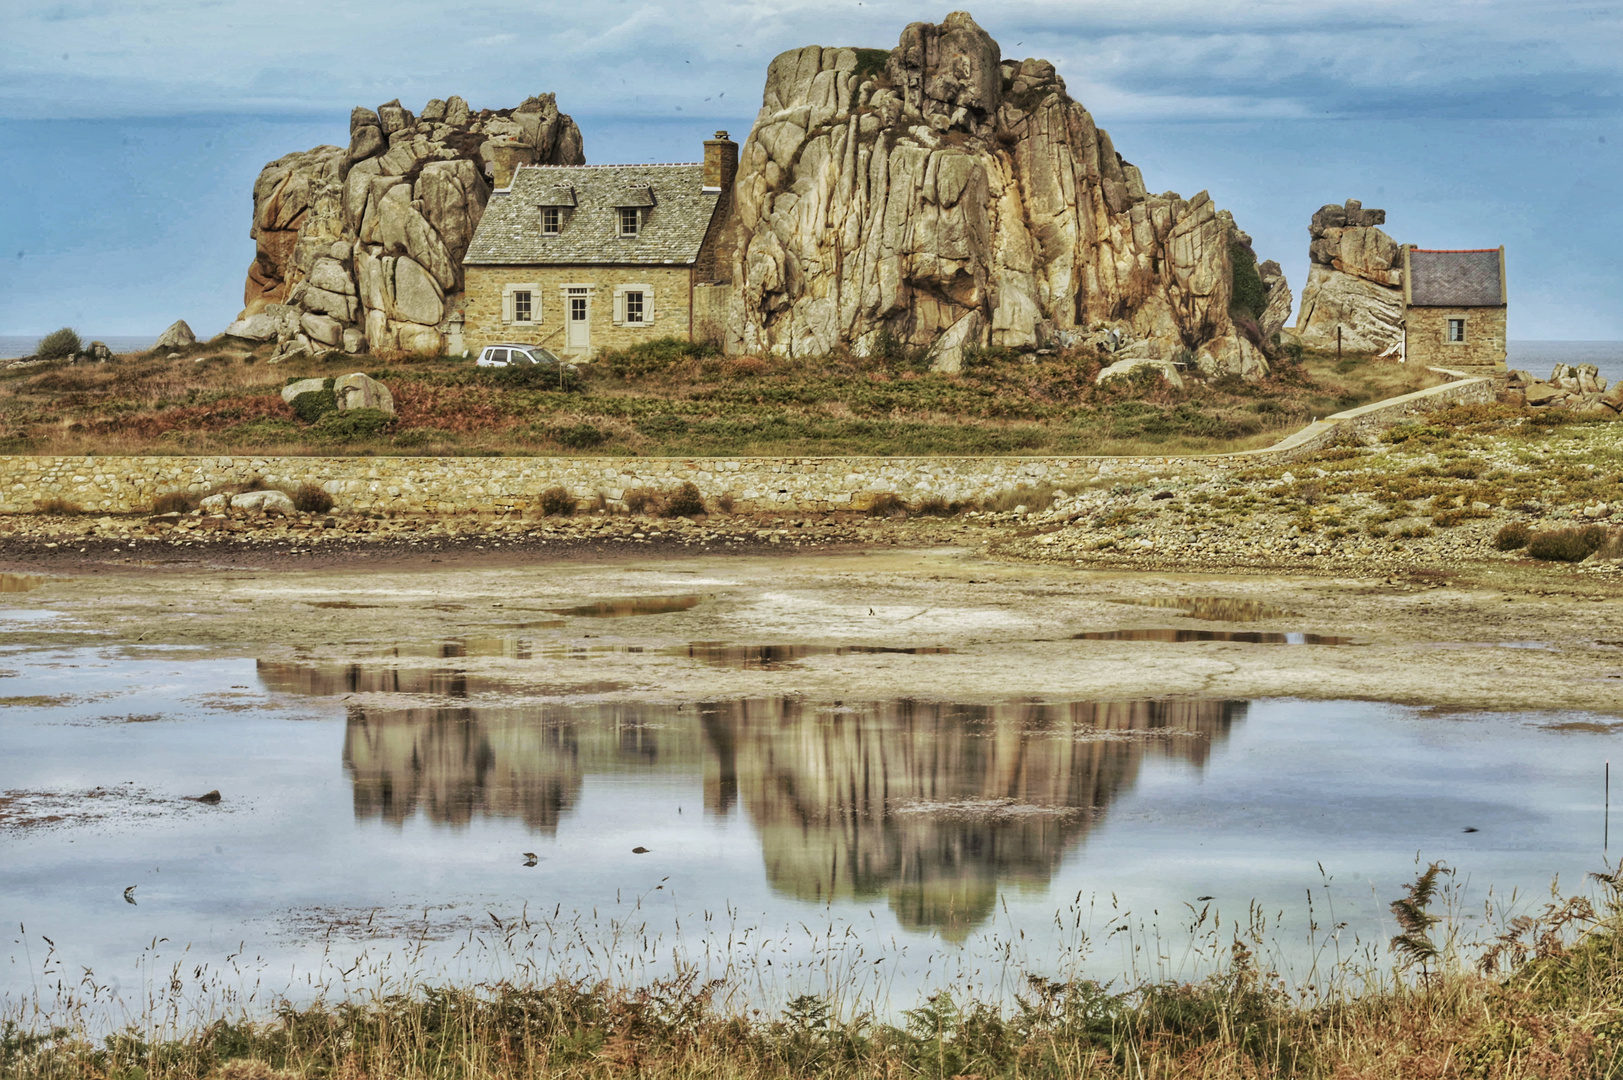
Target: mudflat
[[937, 617]]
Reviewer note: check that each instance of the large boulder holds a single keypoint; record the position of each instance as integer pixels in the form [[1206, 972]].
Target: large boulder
[[178, 336], [406, 187], [944, 197], [361, 391], [1354, 291]]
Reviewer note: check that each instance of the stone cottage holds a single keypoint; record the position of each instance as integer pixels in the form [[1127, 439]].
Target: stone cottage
[[1454, 307], [579, 258]]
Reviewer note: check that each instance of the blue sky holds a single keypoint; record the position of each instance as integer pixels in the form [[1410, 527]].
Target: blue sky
[[134, 130]]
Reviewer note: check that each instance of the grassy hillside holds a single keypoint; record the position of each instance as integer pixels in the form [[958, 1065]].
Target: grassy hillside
[[670, 398]]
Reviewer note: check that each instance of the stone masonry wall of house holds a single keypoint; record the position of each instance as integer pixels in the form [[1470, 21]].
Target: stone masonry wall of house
[[1483, 347], [422, 485], [483, 323]]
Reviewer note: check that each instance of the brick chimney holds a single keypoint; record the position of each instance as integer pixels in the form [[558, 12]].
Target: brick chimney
[[720, 163]]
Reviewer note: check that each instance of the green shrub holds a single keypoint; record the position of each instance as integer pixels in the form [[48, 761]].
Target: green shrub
[[650, 357], [685, 501], [354, 424], [1567, 545], [1248, 294], [578, 436], [1512, 537], [312, 405], [310, 499], [557, 502], [415, 438], [174, 502], [58, 344]]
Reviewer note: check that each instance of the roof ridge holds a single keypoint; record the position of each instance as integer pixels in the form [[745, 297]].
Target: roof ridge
[[1453, 251]]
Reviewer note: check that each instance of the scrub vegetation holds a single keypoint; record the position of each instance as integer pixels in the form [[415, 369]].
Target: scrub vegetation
[[1541, 996], [675, 398]]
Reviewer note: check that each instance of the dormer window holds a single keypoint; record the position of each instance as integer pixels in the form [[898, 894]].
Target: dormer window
[[552, 220], [630, 220]]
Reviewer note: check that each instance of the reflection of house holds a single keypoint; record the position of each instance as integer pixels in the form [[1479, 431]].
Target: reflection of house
[[934, 806], [454, 765], [1454, 306], [583, 257]]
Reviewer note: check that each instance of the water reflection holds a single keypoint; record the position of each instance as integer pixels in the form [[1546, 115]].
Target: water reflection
[[1254, 637], [631, 605], [929, 805], [17, 583], [1213, 608], [770, 657]]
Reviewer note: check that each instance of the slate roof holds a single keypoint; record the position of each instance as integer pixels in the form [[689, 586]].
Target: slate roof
[[676, 216], [1455, 278]]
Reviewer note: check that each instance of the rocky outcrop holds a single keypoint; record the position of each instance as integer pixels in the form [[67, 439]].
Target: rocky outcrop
[[941, 196], [361, 247], [178, 336], [1355, 282], [1579, 387]]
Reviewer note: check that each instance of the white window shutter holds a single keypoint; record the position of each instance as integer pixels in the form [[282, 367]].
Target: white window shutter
[[507, 304], [647, 306], [619, 305]]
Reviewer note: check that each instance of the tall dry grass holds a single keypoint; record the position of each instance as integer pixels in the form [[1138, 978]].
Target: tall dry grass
[[1541, 996]]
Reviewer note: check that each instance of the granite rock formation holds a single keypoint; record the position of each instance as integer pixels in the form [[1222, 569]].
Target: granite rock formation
[[1355, 282], [361, 247], [942, 196]]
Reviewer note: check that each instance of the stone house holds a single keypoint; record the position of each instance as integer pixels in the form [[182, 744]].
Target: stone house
[[1454, 306], [579, 258]]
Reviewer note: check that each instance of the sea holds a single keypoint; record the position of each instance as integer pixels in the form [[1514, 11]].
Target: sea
[[1537, 357]]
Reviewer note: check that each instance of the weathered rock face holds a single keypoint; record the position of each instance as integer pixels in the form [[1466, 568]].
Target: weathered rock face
[[178, 336], [364, 245], [947, 197], [1355, 283]]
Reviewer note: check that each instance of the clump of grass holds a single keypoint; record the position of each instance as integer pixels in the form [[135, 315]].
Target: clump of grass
[[581, 436], [685, 501], [59, 344], [174, 502], [1568, 545], [887, 504], [643, 501], [557, 502], [1040, 497], [934, 506], [354, 424], [311, 499], [312, 405], [1512, 537], [58, 507], [724, 502]]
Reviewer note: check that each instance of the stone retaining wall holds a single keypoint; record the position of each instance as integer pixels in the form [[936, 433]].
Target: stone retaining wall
[[440, 485]]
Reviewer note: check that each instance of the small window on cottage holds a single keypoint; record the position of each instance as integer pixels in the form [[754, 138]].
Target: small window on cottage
[[521, 306], [552, 220], [634, 307], [630, 219], [1456, 330]]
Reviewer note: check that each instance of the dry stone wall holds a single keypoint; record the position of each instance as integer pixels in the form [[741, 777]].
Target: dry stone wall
[[424, 485]]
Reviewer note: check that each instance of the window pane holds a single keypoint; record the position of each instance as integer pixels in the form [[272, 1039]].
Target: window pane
[[498, 356], [577, 308], [521, 307], [634, 307], [628, 221]]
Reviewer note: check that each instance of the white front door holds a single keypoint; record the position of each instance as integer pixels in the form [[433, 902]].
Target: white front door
[[578, 312]]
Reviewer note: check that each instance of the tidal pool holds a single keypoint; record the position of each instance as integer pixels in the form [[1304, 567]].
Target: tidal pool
[[888, 846]]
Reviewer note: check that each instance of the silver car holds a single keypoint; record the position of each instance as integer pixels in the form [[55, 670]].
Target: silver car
[[512, 355]]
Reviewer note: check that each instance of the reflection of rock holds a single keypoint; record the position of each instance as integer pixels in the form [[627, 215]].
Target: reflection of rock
[[935, 804]]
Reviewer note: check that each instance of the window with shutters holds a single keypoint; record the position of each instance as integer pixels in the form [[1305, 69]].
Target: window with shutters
[[521, 303], [633, 305]]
